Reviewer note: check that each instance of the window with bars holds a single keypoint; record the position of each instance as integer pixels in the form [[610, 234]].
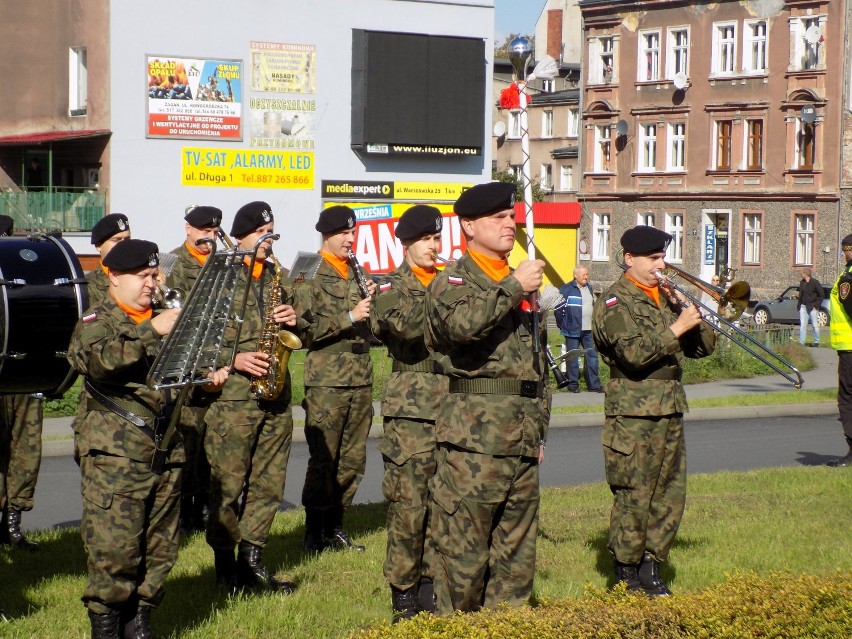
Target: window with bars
[[600, 233], [724, 48], [752, 237], [677, 146], [755, 47], [754, 149], [804, 233], [649, 56], [724, 129]]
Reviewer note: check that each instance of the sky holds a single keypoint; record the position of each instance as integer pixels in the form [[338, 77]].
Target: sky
[[515, 16]]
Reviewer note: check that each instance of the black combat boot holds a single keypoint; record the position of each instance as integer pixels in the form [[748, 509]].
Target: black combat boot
[[843, 462], [649, 577], [226, 567], [334, 535], [139, 626], [4, 618], [251, 573], [314, 542], [105, 625], [185, 522], [629, 574], [426, 595], [17, 538], [404, 603]]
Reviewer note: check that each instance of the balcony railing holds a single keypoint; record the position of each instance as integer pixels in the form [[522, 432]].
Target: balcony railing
[[65, 210]]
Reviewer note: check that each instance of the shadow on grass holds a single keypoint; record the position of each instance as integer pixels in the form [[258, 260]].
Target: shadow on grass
[[194, 599], [60, 553], [604, 562]]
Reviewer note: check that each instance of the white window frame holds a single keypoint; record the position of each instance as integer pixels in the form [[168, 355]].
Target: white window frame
[[566, 177], [601, 232], [747, 144], [546, 176], [804, 55], [724, 57], [78, 80], [517, 170], [573, 122], [601, 55], [648, 61], [799, 148], [752, 237], [677, 53], [547, 123], [647, 160], [676, 159], [513, 126], [755, 47], [804, 230], [674, 227], [716, 139], [603, 149], [548, 86], [646, 218]]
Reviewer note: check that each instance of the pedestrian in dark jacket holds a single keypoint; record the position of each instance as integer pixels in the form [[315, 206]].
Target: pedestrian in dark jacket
[[575, 323], [810, 301]]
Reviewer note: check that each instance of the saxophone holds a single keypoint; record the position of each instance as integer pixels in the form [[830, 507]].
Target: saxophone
[[276, 343]]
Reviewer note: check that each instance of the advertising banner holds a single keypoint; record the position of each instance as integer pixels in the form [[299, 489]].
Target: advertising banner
[[243, 168], [193, 98], [279, 67]]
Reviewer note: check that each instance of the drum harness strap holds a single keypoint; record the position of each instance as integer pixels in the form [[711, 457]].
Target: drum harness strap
[[119, 407]]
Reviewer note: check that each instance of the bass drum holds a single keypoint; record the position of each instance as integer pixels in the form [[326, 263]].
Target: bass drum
[[42, 295]]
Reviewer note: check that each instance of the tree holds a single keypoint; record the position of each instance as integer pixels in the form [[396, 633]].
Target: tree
[[509, 176], [502, 51]]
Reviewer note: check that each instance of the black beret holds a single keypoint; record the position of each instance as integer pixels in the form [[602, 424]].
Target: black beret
[[418, 220], [7, 225], [846, 244], [251, 217], [203, 217], [129, 255], [644, 240], [335, 218], [108, 226], [484, 199]]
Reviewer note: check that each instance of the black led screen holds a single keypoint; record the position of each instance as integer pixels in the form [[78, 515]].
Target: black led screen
[[422, 90]]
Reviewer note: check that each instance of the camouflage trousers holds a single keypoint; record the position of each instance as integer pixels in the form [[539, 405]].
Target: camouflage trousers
[[129, 529], [248, 447], [484, 521], [196, 470], [406, 488], [337, 422], [645, 461], [20, 449]]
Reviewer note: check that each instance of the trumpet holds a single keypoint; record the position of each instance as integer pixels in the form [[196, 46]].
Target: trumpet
[[165, 297]]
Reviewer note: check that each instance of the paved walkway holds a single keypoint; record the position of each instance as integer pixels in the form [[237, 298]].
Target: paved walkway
[[57, 431]]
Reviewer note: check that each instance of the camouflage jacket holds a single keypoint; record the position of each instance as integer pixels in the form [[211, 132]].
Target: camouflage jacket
[[185, 271], [632, 335], [338, 351], [114, 354], [397, 318], [98, 285], [237, 386], [476, 329]]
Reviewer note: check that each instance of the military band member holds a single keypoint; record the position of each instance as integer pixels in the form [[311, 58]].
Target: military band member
[[248, 439], [642, 335], [130, 514], [412, 401], [841, 340], [201, 223], [485, 494], [21, 420], [338, 383], [106, 233]]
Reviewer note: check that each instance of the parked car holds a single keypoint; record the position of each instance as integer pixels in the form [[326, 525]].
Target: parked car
[[782, 310]]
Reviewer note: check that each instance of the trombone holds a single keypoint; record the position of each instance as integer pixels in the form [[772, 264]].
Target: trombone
[[732, 302]]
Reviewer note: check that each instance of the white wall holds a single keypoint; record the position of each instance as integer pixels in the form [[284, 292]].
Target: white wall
[[146, 173]]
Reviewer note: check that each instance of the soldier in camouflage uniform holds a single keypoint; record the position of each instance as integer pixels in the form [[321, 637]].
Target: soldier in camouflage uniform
[[106, 233], [202, 222], [642, 336], [130, 514], [338, 383], [248, 439], [412, 401], [20, 451], [493, 423]]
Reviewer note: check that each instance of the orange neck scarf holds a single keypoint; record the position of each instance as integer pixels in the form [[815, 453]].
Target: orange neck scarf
[[424, 275], [137, 316], [651, 291], [257, 271], [105, 270], [496, 269], [339, 264], [201, 258]]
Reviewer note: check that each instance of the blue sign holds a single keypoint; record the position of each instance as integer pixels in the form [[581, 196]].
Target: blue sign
[[709, 244]]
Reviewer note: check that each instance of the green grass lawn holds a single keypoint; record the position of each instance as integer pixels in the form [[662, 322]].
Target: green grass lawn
[[794, 520]]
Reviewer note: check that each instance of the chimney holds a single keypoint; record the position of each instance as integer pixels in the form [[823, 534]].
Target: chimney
[[554, 34]]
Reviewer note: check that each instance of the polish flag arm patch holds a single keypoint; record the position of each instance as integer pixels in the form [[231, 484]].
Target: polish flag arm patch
[[455, 281], [612, 301], [91, 317], [385, 286]]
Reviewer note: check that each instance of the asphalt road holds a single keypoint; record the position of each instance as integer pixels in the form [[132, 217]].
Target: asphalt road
[[573, 457]]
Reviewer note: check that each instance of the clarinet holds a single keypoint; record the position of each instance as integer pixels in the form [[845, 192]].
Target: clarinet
[[359, 275]]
